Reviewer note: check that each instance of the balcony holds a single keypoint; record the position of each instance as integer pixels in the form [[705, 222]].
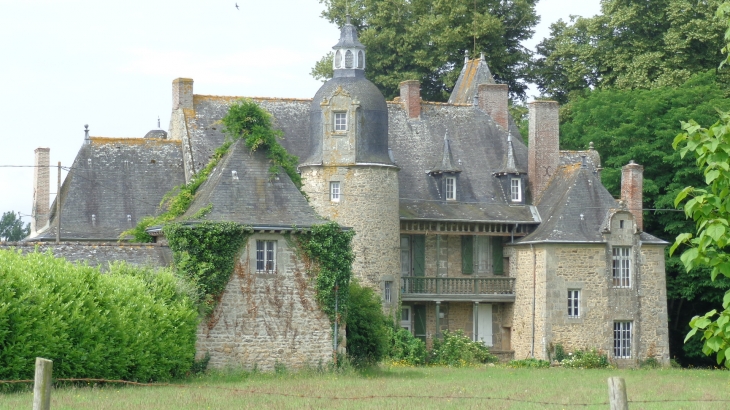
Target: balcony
[[416, 289]]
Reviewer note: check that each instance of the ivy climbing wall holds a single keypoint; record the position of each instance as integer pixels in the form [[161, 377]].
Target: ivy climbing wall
[[265, 319]]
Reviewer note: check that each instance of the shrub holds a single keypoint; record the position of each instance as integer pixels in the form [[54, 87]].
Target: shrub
[[367, 331], [560, 353], [650, 363], [406, 348], [456, 349], [586, 360], [130, 323], [529, 363]]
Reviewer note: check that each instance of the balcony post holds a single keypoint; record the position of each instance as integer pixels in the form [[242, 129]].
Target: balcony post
[[438, 319], [476, 321]]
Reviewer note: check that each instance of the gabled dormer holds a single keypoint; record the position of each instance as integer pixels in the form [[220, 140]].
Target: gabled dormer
[[446, 174], [511, 178]]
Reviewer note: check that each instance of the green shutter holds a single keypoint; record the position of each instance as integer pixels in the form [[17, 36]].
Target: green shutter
[[419, 255], [497, 256], [467, 255], [419, 321]]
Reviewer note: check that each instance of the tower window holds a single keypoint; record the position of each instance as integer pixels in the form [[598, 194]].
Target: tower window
[[338, 59], [340, 121], [574, 303], [621, 266], [335, 191], [516, 189], [622, 340], [349, 57], [450, 188], [360, 59], [388, 290]]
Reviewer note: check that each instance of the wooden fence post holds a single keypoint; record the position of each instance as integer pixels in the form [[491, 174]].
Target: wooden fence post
[[42, 384], [617, 393]]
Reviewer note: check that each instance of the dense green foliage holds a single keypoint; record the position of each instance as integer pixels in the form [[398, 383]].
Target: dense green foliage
[[328, 252], [406, 348], [631, 44], [457, 350], [367, 326], [206, 254], [129, 323], [709, 208], [245, 119], [585, 360], [12, 228], [426, 40]]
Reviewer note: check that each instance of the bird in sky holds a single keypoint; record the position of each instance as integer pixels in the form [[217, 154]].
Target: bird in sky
[[237, 7]]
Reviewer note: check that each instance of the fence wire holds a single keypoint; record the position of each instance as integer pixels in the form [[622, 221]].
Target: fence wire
[[365, 397]]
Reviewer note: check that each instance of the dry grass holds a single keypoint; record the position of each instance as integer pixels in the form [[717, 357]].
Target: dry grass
[[426, 388]]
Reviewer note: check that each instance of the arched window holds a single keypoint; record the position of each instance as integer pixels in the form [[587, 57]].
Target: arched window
[[338, 59], [348, 59], [360, 59]]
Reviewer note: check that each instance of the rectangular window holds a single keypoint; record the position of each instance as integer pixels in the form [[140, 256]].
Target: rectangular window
[[335, 191], [405, 256], [340, 121], [622, 340], [574, 303], [516, 189], [266, 256], [388, 286], [405, 318], [622, 267], [450, 188], [483, 255]]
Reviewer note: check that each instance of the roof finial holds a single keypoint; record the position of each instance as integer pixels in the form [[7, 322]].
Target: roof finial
[[158, 121], [347, 11], [466, 56], [481, 56], [509, 136], [86, 133]]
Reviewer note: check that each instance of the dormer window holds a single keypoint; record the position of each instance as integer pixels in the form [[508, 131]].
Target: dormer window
[[340, 121], [516, 189], [450, 188]]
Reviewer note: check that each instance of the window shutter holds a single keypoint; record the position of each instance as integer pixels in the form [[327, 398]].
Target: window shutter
[[419, 255], [467, 255], [497, 256]]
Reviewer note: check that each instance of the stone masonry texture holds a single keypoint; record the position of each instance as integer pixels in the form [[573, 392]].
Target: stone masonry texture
[[632, 189], [543, 154], [493, 99], [410, 96], [267, 319]]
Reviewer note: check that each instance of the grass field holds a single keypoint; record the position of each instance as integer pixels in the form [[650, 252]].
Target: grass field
[[402, 387]]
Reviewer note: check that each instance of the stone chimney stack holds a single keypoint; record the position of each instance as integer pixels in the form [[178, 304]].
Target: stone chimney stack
[[41, 189], [632, 190], [410, 95], [543, 155], [493, 100], [182, 93]]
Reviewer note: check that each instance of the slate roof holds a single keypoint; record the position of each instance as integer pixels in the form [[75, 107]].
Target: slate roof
[[110, 179], [251, 196], [478, 147], [473, 73]]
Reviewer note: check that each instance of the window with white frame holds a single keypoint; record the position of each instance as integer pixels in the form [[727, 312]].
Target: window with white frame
[[340, 121], [450, 188], [621, 266], [573, 303], [622, 340], [405, 317], [266, 256], [387, 291], [335, 191], [483, 255], [516, 189]]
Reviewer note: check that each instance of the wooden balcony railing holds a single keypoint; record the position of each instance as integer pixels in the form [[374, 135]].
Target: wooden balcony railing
[[416, 287]]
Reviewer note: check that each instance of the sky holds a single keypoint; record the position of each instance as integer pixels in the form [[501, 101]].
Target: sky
[[66, 63]]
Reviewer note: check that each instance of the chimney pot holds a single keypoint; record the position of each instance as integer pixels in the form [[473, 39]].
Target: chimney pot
[[182, 93], [632, 191], [493, 99], [41, 189]]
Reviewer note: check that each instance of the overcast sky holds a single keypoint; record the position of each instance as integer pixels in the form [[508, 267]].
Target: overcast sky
[[108, 64]]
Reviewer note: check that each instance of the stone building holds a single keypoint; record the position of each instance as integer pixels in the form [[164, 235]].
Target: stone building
[[459, 224]]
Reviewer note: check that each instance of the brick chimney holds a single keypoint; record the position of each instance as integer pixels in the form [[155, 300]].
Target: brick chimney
[[41, 189], [543, 155], [410, 96], [493, 100], [632, 190], [182, 93]]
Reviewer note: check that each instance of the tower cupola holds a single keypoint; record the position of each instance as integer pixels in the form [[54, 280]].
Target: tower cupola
[[349, 60]]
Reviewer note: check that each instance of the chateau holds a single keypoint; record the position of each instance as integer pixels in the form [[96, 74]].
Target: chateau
[[459, 224]]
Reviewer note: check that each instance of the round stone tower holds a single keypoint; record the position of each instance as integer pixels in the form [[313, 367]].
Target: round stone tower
[[349, 175]]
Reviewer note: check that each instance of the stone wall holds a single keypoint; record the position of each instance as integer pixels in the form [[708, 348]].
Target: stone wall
[[654, 337], [265, 319], [99, 254], [529, 307], [368, 204]]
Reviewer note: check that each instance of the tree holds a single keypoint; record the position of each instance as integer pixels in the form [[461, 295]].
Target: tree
[[368, 336], [640, 125], [427, 39], [11, 227], [631, 44]]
